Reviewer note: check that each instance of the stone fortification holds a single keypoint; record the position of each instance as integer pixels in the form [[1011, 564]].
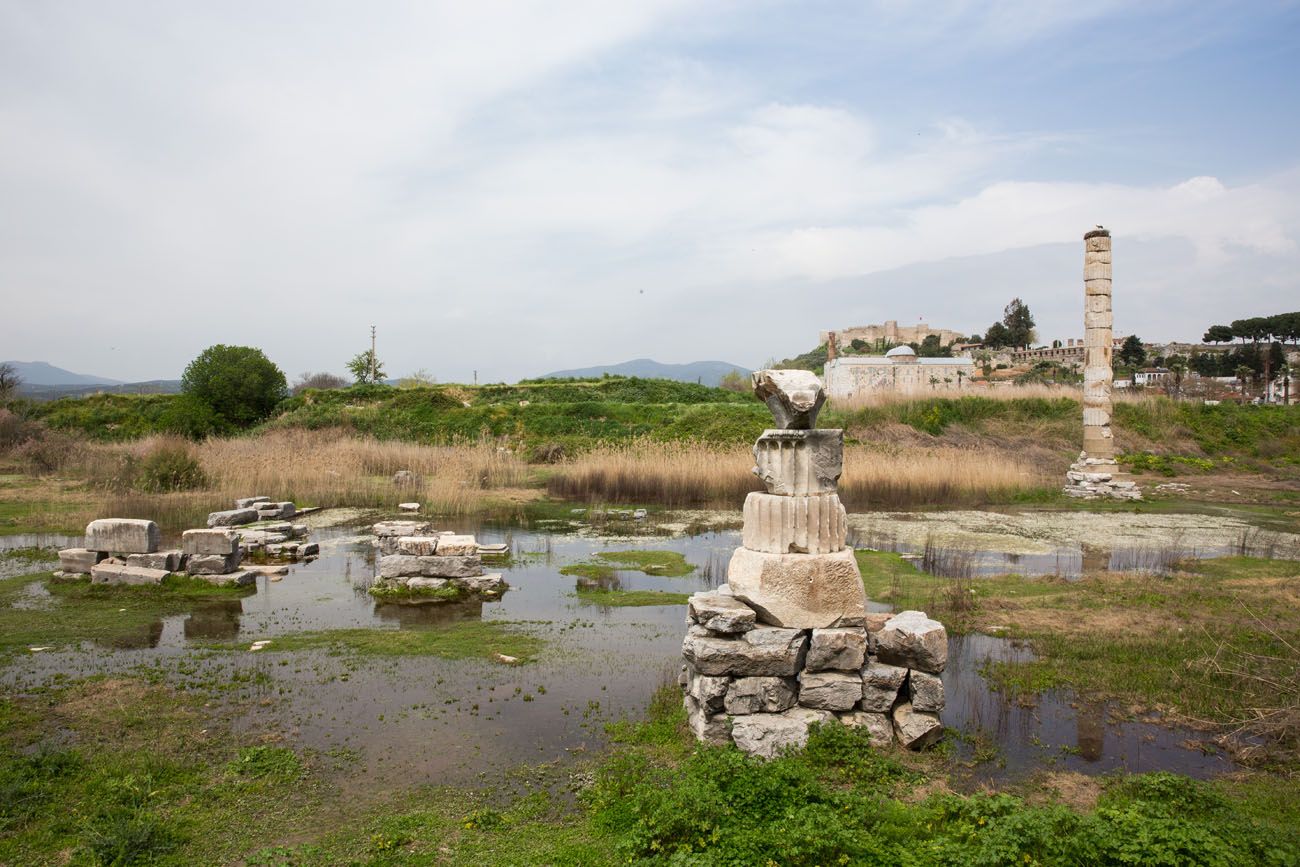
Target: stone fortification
[[1096, 473], [788, 641]]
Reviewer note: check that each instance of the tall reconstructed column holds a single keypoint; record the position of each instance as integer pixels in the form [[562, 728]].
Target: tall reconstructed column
[[1096, 473], [1098, 343]]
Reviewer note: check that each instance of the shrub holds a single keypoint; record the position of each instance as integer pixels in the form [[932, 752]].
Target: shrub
[[239, 383], [48, 452], [169, 466], [190, 417]]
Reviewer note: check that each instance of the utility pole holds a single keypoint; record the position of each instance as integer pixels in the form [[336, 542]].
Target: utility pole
[[372, 355]]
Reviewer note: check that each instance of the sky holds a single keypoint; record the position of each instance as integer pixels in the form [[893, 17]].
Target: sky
[[509, 188]]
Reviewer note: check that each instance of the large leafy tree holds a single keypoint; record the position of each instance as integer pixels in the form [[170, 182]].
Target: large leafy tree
[[1218, 334], [1019, 323], [238, 383], [997, 336]]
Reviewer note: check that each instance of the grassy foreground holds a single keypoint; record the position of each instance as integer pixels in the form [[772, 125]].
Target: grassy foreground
[[114, 771]]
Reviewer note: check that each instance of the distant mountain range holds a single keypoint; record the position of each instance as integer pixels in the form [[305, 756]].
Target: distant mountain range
[[44, 373], [44, 381], [704, 372]]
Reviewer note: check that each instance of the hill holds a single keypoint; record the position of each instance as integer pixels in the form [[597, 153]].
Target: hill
[[38, 373], [704, 372]]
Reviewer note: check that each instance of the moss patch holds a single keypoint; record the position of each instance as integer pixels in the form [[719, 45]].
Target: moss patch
[[469, 639], [631, 598], [667, 563]]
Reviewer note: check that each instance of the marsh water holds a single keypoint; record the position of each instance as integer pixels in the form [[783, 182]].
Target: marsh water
[[406, 719]]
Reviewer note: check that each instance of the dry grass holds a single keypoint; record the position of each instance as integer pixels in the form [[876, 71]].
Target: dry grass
[[318, 468], [701, 475]]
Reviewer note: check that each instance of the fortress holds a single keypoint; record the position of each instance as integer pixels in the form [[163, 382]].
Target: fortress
[[890, 332]]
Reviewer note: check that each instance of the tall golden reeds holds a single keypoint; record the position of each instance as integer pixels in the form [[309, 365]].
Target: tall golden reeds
[[689, 474]]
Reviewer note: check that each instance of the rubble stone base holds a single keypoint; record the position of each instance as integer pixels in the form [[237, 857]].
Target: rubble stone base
[[1099, 478]]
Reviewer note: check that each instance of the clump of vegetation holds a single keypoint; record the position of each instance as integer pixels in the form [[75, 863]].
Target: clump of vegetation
[[666, 563], [402, 593], [266, 761], [170, 466], [630, 598], [463, 639]]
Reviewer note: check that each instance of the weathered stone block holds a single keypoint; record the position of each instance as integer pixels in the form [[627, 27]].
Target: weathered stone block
[[915, 729], [761, 652], [401, 528], [794, 396], [804, 591], [168, 561], [707, 728], [232, 518], [251, 502], [926, 691], [417, 546], [123, 536], [830, 690], [799, 462], [720, 613], [912, 640], [843, 649], [395, 565], [120, 573], [231, 579], [309, 549], [78, 561], [220, 542], [767, 735], [709, 691], [875, 621], [880, 729], [453, 545], [489, 583], [800, 524], [427, 583], [746, 695], [213, 564], [880, 686]]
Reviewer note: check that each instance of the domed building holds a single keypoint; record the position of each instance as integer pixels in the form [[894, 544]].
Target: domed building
[[898, 370]]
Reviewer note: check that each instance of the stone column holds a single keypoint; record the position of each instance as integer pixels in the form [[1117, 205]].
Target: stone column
[[1096, 473], [1098, 343]]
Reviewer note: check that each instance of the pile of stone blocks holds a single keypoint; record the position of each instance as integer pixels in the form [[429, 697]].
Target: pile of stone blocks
[[125, 551], [250, 510], [282, 540], [787, 641], [214, 555], [1093, 478], [413, 558]]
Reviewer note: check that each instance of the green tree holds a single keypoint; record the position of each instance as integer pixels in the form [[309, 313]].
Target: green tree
[[1243, 373], [238, 383], [998, 336], [366, 369], [9, 381], [1131, 352], [930, 347], [1019, 323], [1218, 334]]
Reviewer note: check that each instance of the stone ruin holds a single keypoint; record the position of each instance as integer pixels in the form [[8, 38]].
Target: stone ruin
[[1096, 473], [788, 640], [125, 551], [250, 510], [413, 558]]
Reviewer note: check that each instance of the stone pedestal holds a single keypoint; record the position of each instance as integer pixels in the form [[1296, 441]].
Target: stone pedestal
[[787, 641]]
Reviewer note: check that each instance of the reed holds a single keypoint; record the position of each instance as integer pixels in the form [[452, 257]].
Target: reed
[[688, 474]]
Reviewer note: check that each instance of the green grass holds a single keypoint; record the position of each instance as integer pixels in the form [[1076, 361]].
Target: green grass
[[466, 639], [78, 611], [37, 516], [593, 571], [631, 598], [112, 771], [666, 563]]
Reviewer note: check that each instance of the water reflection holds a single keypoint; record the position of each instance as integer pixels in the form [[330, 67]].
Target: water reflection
[[214, 621], [418, 616]]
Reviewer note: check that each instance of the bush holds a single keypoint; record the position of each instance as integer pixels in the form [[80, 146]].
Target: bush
[[190, 417], [169, 466], [239, 383], [48, 452]]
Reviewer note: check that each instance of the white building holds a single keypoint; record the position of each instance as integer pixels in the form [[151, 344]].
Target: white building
[[898, 370]]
